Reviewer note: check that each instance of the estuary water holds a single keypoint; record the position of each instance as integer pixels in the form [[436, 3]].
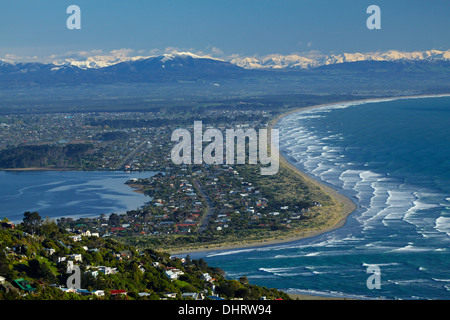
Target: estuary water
[[392, 158], [72, 194]]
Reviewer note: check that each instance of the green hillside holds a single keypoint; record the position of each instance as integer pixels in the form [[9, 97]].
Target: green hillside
[[31, 268]]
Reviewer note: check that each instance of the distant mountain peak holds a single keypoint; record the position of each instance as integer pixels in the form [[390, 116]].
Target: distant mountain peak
[[171, 56], [294, 61], [98, 62], [6, 62], [95, 62]]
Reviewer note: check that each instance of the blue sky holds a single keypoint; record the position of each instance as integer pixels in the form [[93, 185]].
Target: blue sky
[[37, 29]]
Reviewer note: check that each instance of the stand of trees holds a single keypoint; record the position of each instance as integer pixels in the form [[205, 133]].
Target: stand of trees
[[43, 156]]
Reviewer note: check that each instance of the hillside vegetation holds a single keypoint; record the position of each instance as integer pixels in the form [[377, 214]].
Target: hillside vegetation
[[38, 252]]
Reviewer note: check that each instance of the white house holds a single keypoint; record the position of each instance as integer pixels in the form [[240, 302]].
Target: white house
[[76, 238], [49, 251], [67, 289], [99, 293], [173, 274], [206, 277], [107, 270], [144, 294], [86, 233], [75, 257]]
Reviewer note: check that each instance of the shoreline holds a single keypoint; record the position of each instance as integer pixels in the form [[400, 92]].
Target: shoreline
[[136, 188], [348, 205], [301, 296]]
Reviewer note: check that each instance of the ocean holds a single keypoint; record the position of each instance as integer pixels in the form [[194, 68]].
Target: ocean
[[74, 194], [392, 158]]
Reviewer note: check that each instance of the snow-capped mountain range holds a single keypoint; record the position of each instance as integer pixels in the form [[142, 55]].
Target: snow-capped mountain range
[[294, 61], [274, 61], [269, 62], [97, 62]]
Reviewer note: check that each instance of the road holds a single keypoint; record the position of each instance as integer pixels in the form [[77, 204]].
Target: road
[[209, 203], [128, 157]]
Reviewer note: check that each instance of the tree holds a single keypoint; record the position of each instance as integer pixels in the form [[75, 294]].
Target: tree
[[243, 280], [114, 219], [97, 258], [32, 221], [49, 227], [5, 266], [39, 270], [201, 264]]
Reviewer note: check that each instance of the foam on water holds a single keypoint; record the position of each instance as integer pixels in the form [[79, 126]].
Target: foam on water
[[402, 221], [443, 225], [384, 200]]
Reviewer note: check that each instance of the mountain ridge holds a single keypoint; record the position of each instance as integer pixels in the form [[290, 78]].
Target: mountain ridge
[[294, 61], [268, 62], [428, 69], [274, 61]]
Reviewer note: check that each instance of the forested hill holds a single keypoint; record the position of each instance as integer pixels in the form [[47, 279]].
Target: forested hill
[[43, 156]]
